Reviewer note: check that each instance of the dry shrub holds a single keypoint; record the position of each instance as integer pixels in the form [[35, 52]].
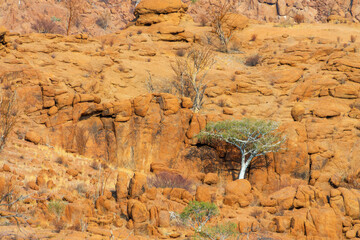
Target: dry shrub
[[149, 83], [355, 105], [219, 13], [170, 180], [256, 213], [280, 212], [95, 165], [59, 225], [44, 25], [81, 188], [191, 72], [353, 38], [338, 39], [60, 160], [351, 180], [299, 18], [103, 21], [203, 20], [253, 60], [80, 224], [103, 177], [221, 103], [253, 37], [9, 203], [180, 52], [9, 113]]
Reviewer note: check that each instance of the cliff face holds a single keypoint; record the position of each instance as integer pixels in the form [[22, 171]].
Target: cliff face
[[103, 17], [281, 10], [103, 99], [309, 86]]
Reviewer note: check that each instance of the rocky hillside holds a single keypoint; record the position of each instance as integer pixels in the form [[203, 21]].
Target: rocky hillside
[[101, 117], [99, 17]]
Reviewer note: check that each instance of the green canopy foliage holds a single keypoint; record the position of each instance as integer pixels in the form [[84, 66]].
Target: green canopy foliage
[[253, 136]]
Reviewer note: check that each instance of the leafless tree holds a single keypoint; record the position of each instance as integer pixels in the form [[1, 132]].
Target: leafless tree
[[149, 83], [8, 202], [9, 112], [74, 8], [221, 19], [191, 73]]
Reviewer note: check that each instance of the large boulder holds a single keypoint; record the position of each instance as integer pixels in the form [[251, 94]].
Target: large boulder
[[238, 193], [150, 12], [142, 104], [351, 202], [169, 103], [323, 222], [308, 196], [284, 198], [205, 193], [159, 7], [137, 211], [3, 32], [122, 185], [138, 185]]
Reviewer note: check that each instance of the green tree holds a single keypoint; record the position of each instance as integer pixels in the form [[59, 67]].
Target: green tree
[[197, 214], [252, 137]]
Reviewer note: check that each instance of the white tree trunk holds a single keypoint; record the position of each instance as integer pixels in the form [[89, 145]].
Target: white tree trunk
[[244, 165], [242, 172]]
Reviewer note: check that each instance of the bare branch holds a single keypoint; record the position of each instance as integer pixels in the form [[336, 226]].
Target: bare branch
[[9, 112], [191, 73]]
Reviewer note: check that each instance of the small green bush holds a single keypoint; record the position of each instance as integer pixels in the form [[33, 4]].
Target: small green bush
[[220, 231], [197, 214], [57, 207]]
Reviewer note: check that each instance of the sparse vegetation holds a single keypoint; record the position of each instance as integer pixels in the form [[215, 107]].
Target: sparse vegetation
[[191, 73], [180, 52], [203, 20], [44, 25], [103, 21], [219, 231], [81, 188], [222, 19], [103, 177], [57, 207], [60, 160], [9, 201], [221, 103], [253, 37], [55, 19], [197, 214], [74, 8], [253, 60], [149, 83], [252, 137], [95, 165], [170, 180], [299, 18], [353, 38], [9, 114]]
